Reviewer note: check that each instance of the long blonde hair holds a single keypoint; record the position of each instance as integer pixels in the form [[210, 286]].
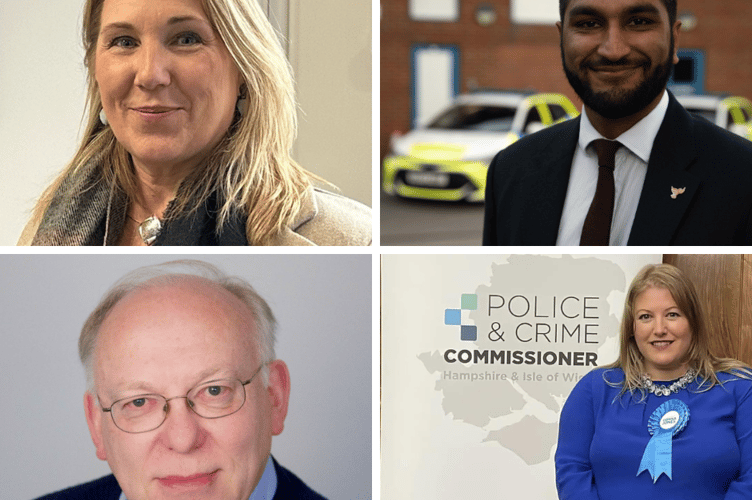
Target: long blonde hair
[[699, 356], [251, 169]]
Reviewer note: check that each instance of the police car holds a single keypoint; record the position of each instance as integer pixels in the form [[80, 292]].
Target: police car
[[448, 158], [731, 113]]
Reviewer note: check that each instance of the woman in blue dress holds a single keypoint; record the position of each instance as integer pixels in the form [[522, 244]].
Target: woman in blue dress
[[668, 420]]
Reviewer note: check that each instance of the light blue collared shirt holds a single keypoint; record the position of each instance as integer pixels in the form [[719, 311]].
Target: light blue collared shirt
[[266, 487]]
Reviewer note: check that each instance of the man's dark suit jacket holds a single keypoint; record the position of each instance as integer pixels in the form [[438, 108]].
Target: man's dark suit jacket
[[289, 487], [527, 185]]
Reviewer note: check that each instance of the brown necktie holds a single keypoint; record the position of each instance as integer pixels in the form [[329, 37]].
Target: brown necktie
[[598, 221]]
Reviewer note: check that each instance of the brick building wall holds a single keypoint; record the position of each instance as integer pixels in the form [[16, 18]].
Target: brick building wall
[[505, 55]]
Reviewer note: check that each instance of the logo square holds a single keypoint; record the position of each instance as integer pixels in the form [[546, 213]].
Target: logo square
[[452, 317], [469, 333], [469, 301]]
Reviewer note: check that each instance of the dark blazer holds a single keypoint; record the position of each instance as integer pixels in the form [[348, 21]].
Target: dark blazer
[[289, 487], [527, 185]]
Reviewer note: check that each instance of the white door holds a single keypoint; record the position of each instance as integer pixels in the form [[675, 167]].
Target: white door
[[435, 76]]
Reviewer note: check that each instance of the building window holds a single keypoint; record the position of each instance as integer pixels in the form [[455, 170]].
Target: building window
[[689, 74], [534, 11], [434, 10]]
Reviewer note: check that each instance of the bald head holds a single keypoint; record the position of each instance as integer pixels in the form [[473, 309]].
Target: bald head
[[148, 294], [182, 317]]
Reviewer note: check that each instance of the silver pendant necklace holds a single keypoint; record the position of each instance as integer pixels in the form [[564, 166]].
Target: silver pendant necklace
[[149, 229], [662, 390]]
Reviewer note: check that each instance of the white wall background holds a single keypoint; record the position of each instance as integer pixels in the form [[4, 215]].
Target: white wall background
[[330, 52], [42, 83], [323, 306], [42, 91]]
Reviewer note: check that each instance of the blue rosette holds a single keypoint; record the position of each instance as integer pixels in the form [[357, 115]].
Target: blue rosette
[[667, 421]]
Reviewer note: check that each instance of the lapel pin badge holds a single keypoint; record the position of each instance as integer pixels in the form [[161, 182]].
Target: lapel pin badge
[[677, 191]]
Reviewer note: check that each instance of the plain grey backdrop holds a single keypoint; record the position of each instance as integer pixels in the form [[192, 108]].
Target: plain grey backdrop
[[323, 306]]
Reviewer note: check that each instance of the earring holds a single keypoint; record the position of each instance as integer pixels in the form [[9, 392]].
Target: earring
[[241, 106], [103, 118]]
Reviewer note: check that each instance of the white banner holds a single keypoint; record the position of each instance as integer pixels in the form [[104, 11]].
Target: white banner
[[478, 356]]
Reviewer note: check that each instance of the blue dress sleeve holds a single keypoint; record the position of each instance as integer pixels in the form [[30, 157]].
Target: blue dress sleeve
[[574, 472], [741, 487]]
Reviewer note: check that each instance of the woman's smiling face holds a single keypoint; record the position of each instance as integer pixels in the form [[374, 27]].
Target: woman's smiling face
[[168, 83], [662, 334]]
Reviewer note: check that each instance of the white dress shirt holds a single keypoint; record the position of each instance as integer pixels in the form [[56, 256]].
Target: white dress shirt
[[629, 176]]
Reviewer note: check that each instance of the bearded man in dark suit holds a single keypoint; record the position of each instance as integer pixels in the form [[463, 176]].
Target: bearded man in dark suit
[[670, 178]]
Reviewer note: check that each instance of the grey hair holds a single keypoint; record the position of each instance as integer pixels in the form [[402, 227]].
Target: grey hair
[[168, 272]]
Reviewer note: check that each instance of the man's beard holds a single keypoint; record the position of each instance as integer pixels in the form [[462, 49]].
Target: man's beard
[[620, 103]]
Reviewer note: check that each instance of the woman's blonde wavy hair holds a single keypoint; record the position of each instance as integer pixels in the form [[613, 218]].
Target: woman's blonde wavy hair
[[699, 356], [251, 169]]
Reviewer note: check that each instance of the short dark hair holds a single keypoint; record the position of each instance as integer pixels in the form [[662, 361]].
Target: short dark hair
[[669, 4]]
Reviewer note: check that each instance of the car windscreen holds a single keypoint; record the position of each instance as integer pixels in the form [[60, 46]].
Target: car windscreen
[[475, 117]]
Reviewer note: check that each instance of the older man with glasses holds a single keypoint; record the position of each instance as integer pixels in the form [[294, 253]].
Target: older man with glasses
[[185, 392]]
